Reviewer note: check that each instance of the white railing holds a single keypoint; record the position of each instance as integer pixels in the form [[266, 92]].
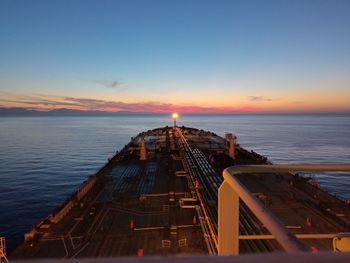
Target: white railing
[[231, 191]]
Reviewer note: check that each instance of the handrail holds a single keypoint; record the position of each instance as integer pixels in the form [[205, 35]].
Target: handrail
[[280, 168], [232, 190]]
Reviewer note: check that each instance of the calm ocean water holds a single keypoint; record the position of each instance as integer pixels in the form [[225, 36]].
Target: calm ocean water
[[44, 159]]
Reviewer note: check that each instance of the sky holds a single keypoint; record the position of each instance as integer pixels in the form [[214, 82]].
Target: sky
[[184, 55]]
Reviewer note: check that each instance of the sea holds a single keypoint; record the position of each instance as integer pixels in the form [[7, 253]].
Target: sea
[[44, 159]]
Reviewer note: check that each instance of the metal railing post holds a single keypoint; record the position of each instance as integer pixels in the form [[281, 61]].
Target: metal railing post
[[228, 223]]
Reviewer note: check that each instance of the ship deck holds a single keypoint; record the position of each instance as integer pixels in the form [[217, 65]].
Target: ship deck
[[167, 204]]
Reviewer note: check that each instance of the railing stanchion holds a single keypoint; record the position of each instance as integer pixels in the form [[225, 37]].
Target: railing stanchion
[[228, 221]]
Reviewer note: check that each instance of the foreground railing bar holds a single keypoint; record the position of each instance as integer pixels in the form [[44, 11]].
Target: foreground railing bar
[[230, 192], [280, 168], [285, 238], [300, 236]]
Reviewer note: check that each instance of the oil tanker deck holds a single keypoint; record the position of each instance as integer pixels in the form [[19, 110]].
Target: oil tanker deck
[[159, 196]]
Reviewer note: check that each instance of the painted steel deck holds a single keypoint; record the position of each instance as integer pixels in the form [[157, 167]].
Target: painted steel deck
[[167, 204]]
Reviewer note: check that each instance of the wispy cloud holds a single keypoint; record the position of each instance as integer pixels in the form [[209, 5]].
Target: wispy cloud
[[112, 84], [49, 102], [259, 98]]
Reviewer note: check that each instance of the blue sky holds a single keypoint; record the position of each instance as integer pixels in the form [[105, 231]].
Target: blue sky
[[224, 55]]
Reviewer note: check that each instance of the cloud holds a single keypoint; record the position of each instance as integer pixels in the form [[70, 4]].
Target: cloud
[[49, 102], [114, 84], [259, 98]]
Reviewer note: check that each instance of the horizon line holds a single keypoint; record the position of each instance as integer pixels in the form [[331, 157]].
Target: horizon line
[[68, 111]]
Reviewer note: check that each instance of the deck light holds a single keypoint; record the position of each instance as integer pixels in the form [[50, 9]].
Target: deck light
[[175, 116]]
